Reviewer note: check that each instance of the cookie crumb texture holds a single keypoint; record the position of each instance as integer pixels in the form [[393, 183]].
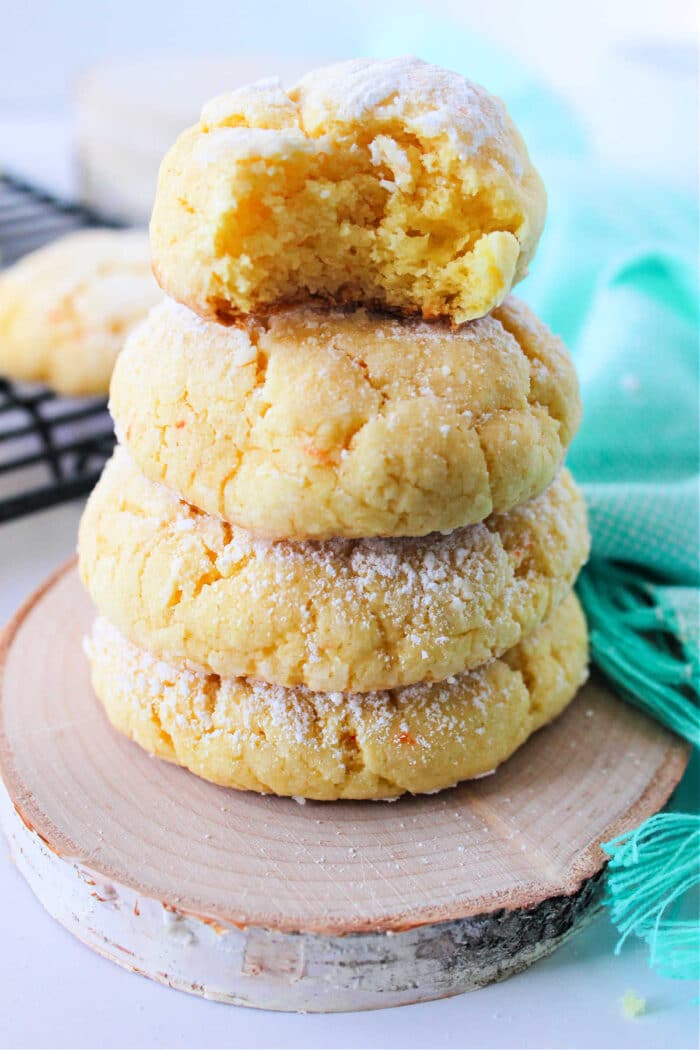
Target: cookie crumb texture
[[245, 734], [66, 309], [312, 424], [633, 1005], [347, 615], [393, 184]]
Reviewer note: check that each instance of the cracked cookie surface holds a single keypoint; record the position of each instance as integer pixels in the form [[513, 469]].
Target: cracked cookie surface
[[312, 424], [246, 734], [392, 184], [350, 615], [66, 309]]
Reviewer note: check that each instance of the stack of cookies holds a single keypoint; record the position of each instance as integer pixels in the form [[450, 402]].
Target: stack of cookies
[[333, 556]]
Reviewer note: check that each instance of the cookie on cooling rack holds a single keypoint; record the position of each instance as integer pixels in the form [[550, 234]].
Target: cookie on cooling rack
[[66, 309], [250, 735], [351, 615], [392, 184], [312, 423]]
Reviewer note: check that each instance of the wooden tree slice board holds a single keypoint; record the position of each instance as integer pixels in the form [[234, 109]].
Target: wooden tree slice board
[[324, 906]]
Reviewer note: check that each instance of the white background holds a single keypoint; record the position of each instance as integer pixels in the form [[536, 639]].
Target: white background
[[629, 70]]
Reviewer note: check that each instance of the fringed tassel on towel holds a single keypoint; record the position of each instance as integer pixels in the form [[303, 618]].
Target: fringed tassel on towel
[[632, 645], [650, 872], [654, 870]]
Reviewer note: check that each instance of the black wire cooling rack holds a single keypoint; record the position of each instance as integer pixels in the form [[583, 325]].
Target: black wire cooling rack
[[52, 448]]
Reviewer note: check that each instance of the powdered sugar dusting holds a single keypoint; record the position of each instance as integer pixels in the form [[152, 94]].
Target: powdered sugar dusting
[[296, 713], [227, 145], [428, 100], [341, 614]]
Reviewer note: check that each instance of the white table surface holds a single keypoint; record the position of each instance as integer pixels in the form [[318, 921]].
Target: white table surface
[[56, 993]]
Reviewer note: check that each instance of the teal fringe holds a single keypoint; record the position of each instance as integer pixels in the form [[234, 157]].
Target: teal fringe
[[631, 644], [653, 870], [650, 872]]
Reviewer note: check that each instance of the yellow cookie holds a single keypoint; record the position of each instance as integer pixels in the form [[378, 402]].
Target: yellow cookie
[[351, 615], [391, 184], [258, 737], [313, 424], [66, 308]]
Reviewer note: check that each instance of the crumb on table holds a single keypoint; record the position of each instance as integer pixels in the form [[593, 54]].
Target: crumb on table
[[633, 1005]]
